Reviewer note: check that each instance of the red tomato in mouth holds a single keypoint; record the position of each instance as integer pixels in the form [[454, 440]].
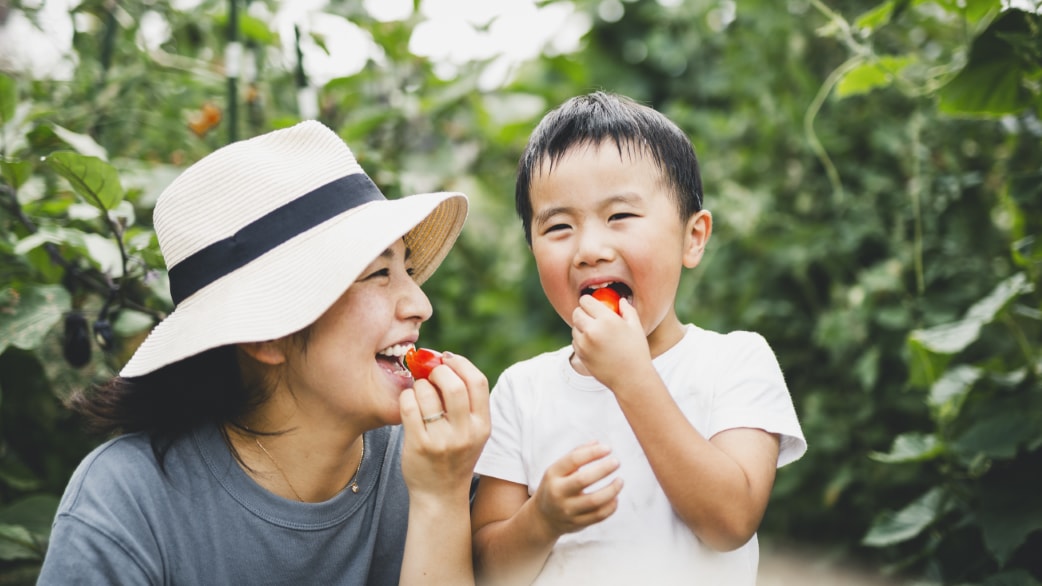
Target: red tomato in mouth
[[609, 297], [421, 361]]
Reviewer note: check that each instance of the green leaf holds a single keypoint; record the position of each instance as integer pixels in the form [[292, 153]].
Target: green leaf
[[25, 527], [875, 18], [911, 447], [869, 76], [83, 143], [15, 173], [949, 392], [999, 435], [16, 543], [1009, 512], [954, 337], [8, 98], [992, 82], [27, 315], [93, 179], [925, 366], [905, 524]]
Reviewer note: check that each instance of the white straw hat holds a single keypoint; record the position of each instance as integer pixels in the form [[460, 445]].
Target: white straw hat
[[262, 236]]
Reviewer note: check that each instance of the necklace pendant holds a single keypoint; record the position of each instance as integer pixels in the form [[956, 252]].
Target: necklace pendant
[[354, 487]]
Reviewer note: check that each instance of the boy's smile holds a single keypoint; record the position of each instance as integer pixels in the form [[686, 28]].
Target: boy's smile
[[604, 217]]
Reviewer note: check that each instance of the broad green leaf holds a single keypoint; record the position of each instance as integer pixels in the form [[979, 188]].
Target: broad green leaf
[[16, 543], [83, 143], [1000, 435], [905, 524], [35, 513], [27, 315], [25, 527], [875, 18], [871, 75], [911, 447], [1009, 512], [16, 475], [992, 82], [925, 366], [14, 172], [93, 179], [949, 392], [8, 98], [954, 337]]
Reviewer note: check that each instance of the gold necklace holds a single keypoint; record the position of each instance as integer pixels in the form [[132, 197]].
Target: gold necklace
[[353, 483]]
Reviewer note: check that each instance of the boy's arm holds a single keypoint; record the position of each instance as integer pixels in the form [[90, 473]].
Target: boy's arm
[[720, 486], [509, 546], [514, 533]]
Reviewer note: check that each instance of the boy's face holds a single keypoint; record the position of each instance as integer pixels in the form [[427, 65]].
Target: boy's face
[[603, 217]]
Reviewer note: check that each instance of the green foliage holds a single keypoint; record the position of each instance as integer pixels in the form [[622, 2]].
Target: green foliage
[[872, 168]]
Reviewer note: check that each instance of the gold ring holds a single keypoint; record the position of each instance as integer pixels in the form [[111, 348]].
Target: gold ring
[[435, 417]]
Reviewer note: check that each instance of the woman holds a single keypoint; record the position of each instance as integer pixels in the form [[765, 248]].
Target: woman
[[269, 433]]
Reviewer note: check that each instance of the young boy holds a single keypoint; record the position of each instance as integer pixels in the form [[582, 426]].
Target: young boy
[[644, 452]]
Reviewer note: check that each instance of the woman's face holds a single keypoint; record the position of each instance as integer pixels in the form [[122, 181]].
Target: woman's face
[[348, 365]]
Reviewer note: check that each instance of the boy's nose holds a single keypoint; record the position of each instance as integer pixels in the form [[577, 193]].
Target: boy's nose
[[593, 247]]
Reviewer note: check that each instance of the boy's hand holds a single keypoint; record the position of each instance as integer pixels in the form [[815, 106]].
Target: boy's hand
[[610, 346], [562, 500]]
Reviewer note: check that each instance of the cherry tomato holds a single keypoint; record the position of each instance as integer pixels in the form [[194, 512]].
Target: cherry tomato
[[609, 297], [421, 361]]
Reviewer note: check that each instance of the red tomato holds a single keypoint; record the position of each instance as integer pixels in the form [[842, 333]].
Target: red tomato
[[607, 296], [421, 361]]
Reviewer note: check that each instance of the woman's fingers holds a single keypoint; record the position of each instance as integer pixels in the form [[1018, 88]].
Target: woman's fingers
[[429, 401]]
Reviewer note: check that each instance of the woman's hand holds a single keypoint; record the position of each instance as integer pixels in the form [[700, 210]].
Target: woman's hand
[[446, 424]]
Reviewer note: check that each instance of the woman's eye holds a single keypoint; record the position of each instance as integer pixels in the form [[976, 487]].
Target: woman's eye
[[379, 273]]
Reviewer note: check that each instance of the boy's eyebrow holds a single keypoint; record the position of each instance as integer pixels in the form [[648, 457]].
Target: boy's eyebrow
[[627, 197], [548, 213]]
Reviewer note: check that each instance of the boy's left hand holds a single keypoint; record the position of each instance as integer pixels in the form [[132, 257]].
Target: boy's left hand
[[610, 346]]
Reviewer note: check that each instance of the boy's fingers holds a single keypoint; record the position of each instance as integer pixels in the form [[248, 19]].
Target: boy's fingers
[[577, 458]]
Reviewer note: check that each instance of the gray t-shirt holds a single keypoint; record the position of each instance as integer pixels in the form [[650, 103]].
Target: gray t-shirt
[[202, 520]]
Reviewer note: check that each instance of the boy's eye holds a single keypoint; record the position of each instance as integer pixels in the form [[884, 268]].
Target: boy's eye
[[622, 216], [556, 228]]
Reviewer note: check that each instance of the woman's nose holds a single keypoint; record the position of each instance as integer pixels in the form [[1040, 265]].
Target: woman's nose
[[414, 303]]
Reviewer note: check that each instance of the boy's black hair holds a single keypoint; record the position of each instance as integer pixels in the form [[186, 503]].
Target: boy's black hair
[[593, 118]]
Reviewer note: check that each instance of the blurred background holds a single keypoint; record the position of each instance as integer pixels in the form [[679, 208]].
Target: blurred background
[[874, 170]]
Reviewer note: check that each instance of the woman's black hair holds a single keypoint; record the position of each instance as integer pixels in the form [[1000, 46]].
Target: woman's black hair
[[593, 118], [169, 402]]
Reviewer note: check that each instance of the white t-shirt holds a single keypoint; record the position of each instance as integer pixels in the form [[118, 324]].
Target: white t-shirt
[[542, 409]]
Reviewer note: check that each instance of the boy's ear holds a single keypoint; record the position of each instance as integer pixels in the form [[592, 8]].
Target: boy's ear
[[696, 235], [268, 352]]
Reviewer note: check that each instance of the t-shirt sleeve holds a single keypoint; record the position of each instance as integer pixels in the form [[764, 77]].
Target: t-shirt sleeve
[[80, 554], [96, 538], [752, 393], [502, 455]]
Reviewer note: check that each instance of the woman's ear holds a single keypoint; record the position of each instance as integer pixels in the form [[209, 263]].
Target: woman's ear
[[697, 230], [269, 352]]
